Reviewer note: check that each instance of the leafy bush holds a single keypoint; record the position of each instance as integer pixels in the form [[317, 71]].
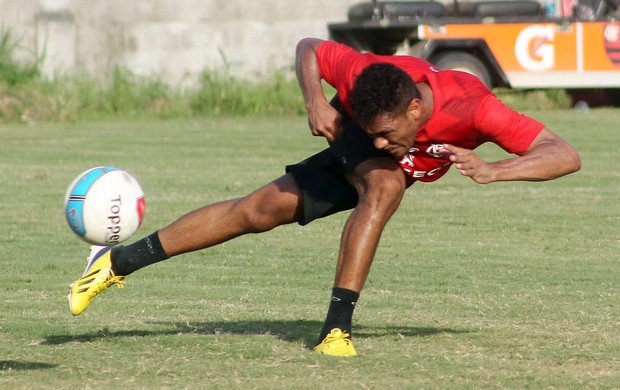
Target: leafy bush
[[13, 73]]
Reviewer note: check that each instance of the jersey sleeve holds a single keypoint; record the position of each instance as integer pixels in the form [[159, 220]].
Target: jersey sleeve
[[339, 66], [511, 130], [335, 61]]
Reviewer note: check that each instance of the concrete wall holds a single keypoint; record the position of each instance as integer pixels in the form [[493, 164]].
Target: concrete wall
[[170, 39]]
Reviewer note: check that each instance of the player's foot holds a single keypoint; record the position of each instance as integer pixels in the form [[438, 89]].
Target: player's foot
[[97, 276], [336, 343]]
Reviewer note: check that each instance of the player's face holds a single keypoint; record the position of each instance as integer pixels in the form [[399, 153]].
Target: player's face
[[394, 134]]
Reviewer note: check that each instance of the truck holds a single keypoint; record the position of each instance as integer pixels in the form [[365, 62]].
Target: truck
[[572, 45]]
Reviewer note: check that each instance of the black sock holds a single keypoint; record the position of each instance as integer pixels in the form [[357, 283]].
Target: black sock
[[130, 258], [340, 313]]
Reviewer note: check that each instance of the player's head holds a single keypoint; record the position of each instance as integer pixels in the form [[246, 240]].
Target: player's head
[[381, 88]]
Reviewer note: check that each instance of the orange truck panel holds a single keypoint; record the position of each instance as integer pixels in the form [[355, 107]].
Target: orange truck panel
[[546, 54]]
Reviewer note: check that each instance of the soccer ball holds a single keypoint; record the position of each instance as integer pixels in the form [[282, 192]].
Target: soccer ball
[[104, 205]]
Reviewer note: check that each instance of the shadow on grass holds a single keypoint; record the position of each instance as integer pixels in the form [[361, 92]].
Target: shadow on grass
[[293, 331], [8, 365]]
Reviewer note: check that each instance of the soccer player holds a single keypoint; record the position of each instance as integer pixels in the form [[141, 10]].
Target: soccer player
[[395, 120]]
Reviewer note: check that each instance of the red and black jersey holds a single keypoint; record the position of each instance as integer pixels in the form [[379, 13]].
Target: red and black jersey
[[465, 113]]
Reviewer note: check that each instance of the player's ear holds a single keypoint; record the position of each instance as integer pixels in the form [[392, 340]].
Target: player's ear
[[415, 108]]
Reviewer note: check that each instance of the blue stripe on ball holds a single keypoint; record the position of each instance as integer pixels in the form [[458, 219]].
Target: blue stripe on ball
[[83, 185], [74, 212]]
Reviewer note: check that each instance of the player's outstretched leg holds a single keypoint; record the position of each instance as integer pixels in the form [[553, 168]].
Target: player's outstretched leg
[[97, 277], [276, 203]]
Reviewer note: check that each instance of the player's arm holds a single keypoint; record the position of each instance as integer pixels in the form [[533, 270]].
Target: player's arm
[[323, 119], [548, 157]]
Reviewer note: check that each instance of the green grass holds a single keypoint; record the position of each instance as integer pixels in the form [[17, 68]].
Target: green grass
[[128, 96], [509, 285]]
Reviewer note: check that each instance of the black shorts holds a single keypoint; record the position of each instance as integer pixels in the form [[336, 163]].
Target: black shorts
[[322, 179]]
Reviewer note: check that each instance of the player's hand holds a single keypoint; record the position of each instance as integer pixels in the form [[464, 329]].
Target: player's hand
[[325, 121], [470, 164]]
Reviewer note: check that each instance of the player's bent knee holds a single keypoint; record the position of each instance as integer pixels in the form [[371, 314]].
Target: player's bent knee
[[390, 183], [384, 191]]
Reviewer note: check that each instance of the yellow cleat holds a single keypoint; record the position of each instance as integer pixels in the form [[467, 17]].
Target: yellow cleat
[[336, 343], [97, 276]]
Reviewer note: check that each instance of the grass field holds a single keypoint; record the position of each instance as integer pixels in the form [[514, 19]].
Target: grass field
[[509, 285]]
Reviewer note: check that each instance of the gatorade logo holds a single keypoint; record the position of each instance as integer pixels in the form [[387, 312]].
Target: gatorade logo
[[534, 48]]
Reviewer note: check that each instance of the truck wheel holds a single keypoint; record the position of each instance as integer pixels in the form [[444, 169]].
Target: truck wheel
[[466, 62]]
